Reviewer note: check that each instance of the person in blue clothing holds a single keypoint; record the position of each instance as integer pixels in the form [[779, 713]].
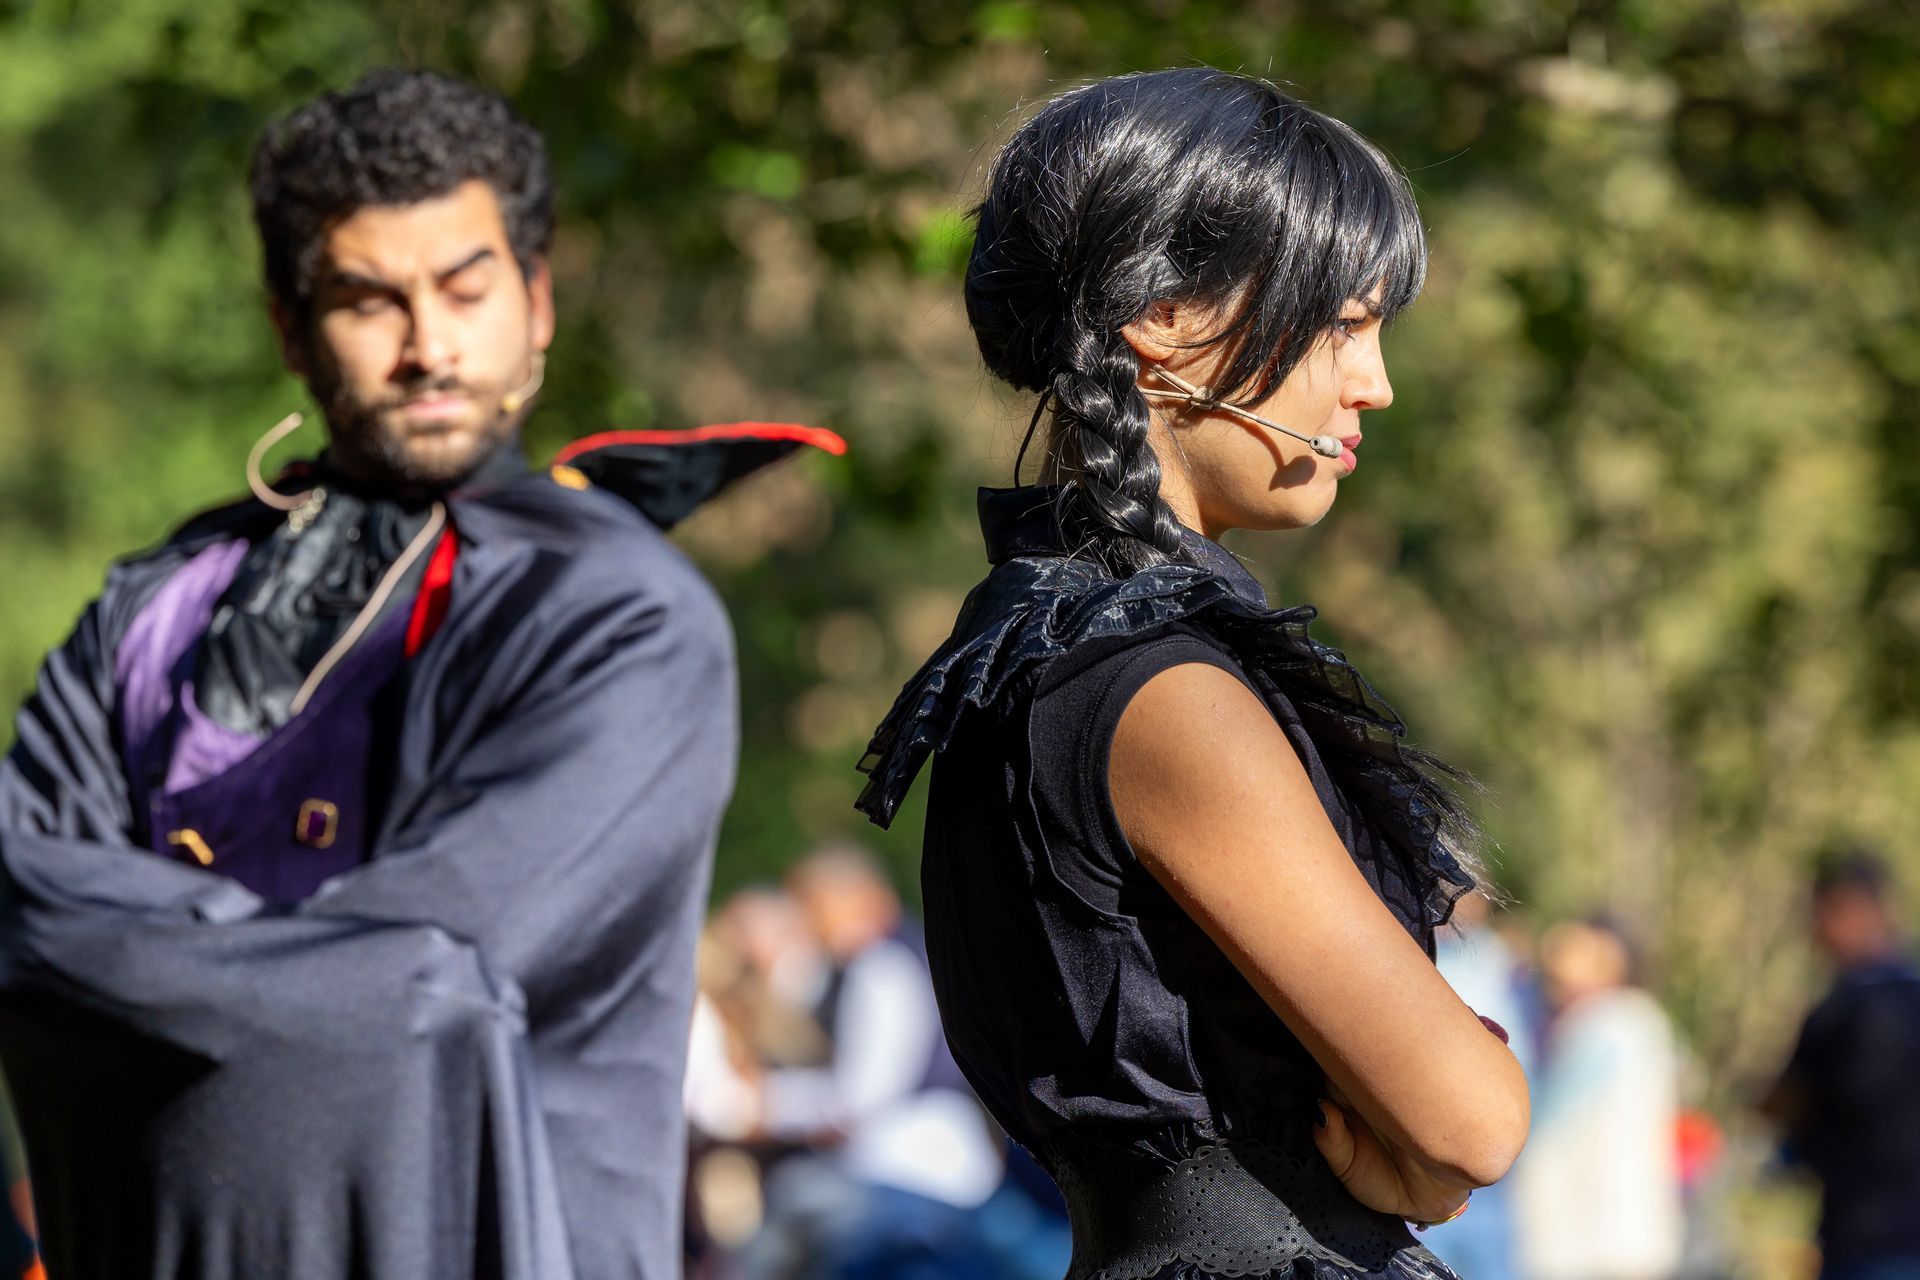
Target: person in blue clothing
[[1846, 1098], [1489, 974], [1181, 873]]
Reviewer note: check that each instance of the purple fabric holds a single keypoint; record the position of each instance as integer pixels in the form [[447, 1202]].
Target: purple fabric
[[283, 813], [157, 641], [203, 748], [293, 812]]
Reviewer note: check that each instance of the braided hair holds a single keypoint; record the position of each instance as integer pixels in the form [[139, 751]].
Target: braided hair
[[1196, 187]]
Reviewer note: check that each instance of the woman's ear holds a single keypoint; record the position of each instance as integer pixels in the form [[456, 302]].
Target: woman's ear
[[1158, 333]]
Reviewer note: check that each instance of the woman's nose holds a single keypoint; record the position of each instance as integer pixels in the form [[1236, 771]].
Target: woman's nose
[[1366, 384]]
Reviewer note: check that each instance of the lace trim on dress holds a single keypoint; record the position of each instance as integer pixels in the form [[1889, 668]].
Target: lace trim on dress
[[1244, 1209]]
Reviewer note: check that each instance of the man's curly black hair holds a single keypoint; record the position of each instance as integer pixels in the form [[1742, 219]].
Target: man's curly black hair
[[397, 137]]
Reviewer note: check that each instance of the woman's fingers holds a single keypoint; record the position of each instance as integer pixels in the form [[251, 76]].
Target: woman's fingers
[[1335, 1139], [1375, 1173]]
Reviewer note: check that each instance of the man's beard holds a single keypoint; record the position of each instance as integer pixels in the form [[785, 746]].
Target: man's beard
[[369, 438]]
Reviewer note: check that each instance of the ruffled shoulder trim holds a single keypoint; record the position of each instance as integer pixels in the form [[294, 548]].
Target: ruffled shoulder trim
[[1032, 610]]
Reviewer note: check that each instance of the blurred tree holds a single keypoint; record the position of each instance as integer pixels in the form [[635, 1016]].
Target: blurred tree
[[1637, 542]]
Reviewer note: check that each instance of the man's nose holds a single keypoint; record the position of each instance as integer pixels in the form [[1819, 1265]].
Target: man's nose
[[430, 346]]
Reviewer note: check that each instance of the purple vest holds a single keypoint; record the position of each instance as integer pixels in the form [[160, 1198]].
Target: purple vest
[[279, 813]]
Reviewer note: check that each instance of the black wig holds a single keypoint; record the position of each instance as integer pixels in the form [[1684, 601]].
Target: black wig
[[1191, 186]]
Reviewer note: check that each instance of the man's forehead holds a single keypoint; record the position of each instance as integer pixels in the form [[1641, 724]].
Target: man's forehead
[[427, 237]]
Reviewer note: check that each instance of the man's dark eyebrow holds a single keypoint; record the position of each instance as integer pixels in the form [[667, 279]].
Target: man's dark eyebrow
[[473, 259], [354, 280]]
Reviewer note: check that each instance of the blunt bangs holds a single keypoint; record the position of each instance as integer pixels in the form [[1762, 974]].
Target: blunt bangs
[[1299, 215]]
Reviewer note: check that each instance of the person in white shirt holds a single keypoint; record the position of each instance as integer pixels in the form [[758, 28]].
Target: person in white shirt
[[1599, 1190], [902, 1151]]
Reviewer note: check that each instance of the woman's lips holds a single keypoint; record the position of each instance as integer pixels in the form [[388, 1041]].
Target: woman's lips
[[1347, 445]]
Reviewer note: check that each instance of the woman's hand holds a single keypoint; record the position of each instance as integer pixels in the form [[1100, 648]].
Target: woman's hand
[[1379, 1174]]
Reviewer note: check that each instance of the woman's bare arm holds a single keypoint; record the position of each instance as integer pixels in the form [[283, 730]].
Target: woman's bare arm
[[1219, 808]]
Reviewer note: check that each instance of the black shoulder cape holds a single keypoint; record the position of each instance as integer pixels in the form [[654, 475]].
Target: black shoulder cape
[[1037, 604]]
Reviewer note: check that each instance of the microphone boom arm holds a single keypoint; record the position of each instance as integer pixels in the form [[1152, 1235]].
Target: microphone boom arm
[[1204, 399]]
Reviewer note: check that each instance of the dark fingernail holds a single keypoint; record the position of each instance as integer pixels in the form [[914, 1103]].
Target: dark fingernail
[[1320, 1116]]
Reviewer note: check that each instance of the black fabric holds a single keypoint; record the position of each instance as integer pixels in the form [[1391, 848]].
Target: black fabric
[[291, 601], [668, 481], [300, 588], [460, 1060], [1854, 1071], [1037, 606], [1097, 1021]]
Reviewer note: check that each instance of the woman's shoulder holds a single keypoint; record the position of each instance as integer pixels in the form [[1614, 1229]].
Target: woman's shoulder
[[1088, 687], [1027, 616], [1068, 731]]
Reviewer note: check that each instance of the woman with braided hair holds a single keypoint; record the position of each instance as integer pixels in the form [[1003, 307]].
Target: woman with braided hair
[[1182, 875]]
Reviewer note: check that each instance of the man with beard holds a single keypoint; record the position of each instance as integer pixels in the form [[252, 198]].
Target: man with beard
[[353, 847]]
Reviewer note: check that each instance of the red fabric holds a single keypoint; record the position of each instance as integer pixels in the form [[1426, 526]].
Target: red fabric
[[1699, 1141], [430, 606], [818, 437]]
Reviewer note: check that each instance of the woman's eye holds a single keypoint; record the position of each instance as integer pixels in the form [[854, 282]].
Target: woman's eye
[[372, 305]]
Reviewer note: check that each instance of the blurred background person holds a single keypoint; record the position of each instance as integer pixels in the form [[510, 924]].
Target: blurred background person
[[903, 1154], [1496, 980], [770, 976], [1849, 1097], [723, 1205], [1598, 1194], [766, 985], [762, 975]]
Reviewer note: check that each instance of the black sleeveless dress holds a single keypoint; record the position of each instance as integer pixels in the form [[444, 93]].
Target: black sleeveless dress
[[1098, 1023]]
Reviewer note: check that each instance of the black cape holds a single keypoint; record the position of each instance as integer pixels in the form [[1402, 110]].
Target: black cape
[[463, 1058]]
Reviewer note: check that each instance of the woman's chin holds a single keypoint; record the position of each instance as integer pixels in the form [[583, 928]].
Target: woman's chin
[[1303, 511]]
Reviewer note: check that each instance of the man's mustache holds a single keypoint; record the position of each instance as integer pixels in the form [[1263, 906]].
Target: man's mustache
[[423, 390]]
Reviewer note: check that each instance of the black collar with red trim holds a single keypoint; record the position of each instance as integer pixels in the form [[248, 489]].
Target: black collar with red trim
[[667, 474]]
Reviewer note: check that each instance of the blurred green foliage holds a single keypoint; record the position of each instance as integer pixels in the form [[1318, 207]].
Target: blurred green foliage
[[1636, 543]]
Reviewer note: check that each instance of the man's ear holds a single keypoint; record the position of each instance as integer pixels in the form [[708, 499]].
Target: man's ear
[[293, 340], [540, 303]]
